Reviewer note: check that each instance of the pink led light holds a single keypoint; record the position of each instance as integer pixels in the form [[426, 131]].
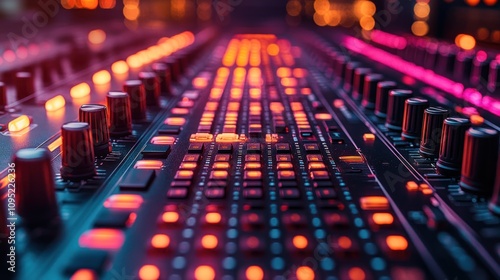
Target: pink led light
[[388, 40], [481, 56]]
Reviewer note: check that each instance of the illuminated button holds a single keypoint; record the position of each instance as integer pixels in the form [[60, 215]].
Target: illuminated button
[[175, 121], [227, 137], [19, 123], [149, 272], [283, 148], [286, 175], [368, 137], [102, 77], [374, 203], [305, 273], [163, 140], [311, 148], [124, 201], [221, 165], [84, 274], [299, 242], [252, 165], [252, 158], [254, 148], [119, 67], [382, 219], [344, 243], [314, 158], [352, 159], [55, 103], [213, 218], [356, 273], [411, 186], [283, 158], [204, 272], [209, 241], [170, 217], [284, 165], [180, 111], [160, 241], [184, 175], [323, 116], [222, 157], [316, 166], [253, 175], [191, 158], [80, 90], [396, 242], [102, 238], [219, 175], [425, 189], [148, 164], [254, 272], [320, 175]]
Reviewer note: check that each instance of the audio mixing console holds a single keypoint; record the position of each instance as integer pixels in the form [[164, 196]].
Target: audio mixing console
[[250, 154]]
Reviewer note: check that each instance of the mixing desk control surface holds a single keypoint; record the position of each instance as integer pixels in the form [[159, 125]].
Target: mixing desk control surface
[[251, 156]]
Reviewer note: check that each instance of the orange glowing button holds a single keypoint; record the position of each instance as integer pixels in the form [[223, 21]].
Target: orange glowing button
[[273, 49], [84, 274], [188, 165], [180, 111], [382, 218], [374, 203], [209, 241], [284, 72], [253, 175], [55, 103], [102, 238], [299, 72], [425, 189], [160, 241], [148, 164], [356, 273], [305, 273], [220, 165], [368, 137], [476, 119], [55, 144], [396, 242], [149, 272], [289, 82], [119, 67], [219, 174], [284, 165], [254, 272], [19, 123], [213, 218], [316, 166], [323, 116], [290, 91], [96, 36], [338, 103], [314, 158], [170, 217], [79, 91], [200, 82], [184, 174], [101, 78], [352, 159], [163, 140], [175, 121], [252, 165], [300, 241], [411, 186], [124, 201], [344, 242], [204, 272]]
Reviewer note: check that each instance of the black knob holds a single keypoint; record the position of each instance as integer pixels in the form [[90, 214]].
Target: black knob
[[77, 151], [359, 81], [96, 116], [413, 118], [494, 76], [382, 97], [479, 160], [446, 60], [35, 199], [463, 68], [495, 199], [3, 96], [151, 87], [480, 69], [340, 65], [432, 130], [163, 75], [396, 107], [452, 146], [174, 69], [120, 116], [24, 85], [349, 74], [370, 90], [135, 91], [431, 53]]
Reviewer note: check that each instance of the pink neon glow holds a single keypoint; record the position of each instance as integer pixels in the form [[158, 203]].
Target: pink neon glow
[[407, 80], [9, 55], [425, 75], [481, 56], [22, 52], [388, 40]]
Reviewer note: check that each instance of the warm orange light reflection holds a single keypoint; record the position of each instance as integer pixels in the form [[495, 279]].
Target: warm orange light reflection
[[344, 242], [204, 272], [124, 201], [97, 36], [382, 218], [148, 164], [299, 241], [356, 273], [273, 49], [149, 272], [84, 274], [55, 103], [102, 77], [119, 67], [254, 272], [209, 241], [79, 91], [305, 273], [170, 217], [374, 203], [464, 41], [213, 218], [19, 123], [396, 242], [160, 241], [102, 238]]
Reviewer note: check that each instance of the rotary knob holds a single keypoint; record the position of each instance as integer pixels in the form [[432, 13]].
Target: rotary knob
[[77, 151], [479, 160], [135, 90], [3, 96], [370, 90], [359, 81], [480, 69], [96, 116], [340, 65], [349, 74], [494, 76], [151, 87], [413, 117], [120, 117], [451, 148], [161, 71], [463, 68], [432, 130], [36, 199], [24, 85], [395, 108], [382, 97]]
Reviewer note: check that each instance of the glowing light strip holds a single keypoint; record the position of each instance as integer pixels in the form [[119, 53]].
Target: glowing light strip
[[425, 75], [54, 145], [389, 40]]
